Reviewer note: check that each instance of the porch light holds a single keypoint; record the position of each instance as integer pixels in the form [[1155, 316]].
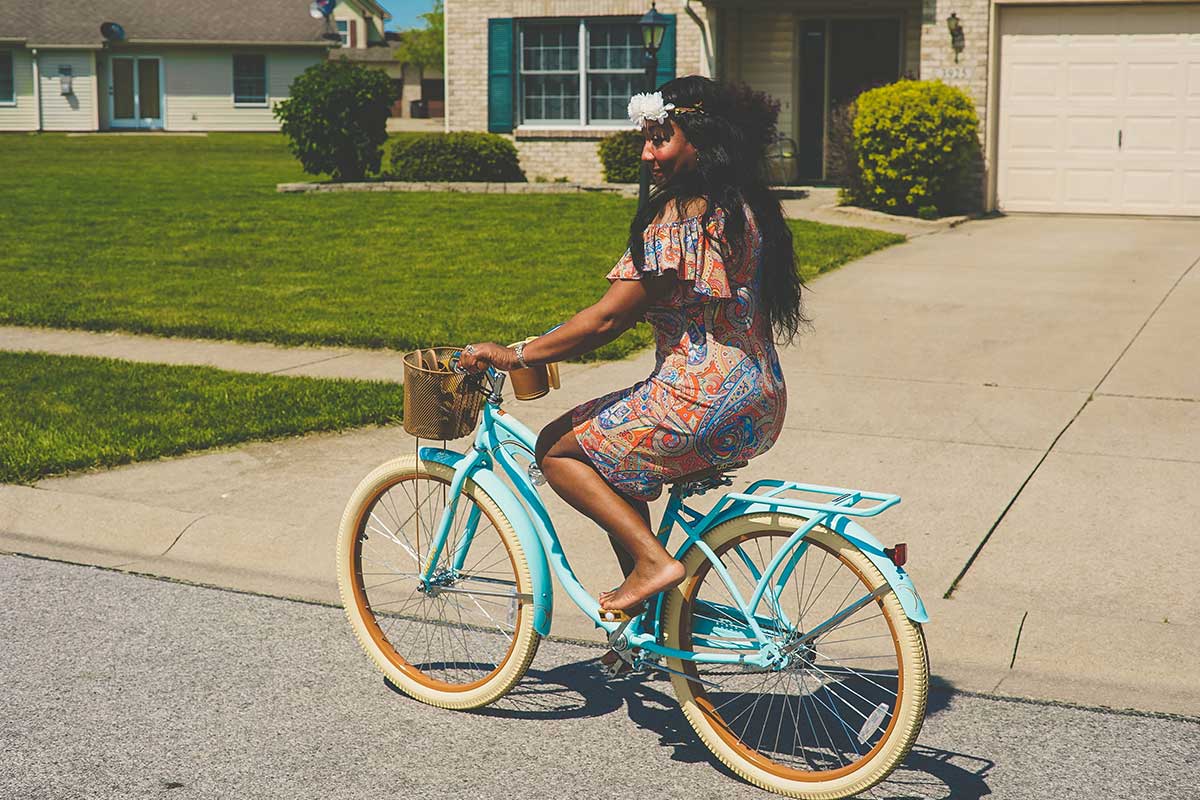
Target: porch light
[[957, 37], [654, 28]]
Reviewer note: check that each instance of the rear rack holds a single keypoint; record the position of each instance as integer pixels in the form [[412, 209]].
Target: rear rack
[[771, 493]]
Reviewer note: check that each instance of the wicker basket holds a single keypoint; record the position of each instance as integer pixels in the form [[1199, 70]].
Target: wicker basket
[[438, 402]]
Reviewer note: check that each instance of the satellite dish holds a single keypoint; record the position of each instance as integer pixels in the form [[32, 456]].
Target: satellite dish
[[112, 32], [321, 8], [315, 11]]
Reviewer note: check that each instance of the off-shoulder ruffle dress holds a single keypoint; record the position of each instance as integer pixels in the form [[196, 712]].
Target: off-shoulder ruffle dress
[[716, 395]]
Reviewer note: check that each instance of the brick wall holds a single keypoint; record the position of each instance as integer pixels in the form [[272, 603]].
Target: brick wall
[[551, 159], [970, 73], [467, 63]]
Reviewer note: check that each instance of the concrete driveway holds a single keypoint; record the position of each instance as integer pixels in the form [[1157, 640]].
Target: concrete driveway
[[1030, 385]]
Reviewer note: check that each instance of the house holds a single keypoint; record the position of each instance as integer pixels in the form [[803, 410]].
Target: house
[[220, 65], [362, 39], [1085, 107]]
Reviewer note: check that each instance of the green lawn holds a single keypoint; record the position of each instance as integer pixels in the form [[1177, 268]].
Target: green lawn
[[61, 413], [186, 236]]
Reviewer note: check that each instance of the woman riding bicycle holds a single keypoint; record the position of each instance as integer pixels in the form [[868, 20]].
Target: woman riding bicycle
[[710, 266]]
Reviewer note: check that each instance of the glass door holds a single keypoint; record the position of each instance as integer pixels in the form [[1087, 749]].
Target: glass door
[[135, 92], [810, 139]]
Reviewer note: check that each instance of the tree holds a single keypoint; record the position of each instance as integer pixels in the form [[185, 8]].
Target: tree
[[425, 47], [336, 119]]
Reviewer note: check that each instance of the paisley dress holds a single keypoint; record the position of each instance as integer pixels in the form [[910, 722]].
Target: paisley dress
[[716, 395]]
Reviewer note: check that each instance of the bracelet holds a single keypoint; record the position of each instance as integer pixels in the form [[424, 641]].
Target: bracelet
[[519, 350]]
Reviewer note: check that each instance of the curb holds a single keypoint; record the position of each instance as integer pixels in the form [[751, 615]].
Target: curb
[[463, 187], [880, 216]]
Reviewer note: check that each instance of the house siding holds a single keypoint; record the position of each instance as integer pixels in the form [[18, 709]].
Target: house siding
[[23, 115], [765, 40], [467, 77], [199, 87], [73, 112]]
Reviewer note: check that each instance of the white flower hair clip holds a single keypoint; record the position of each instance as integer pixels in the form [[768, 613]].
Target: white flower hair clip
[[646, 107]]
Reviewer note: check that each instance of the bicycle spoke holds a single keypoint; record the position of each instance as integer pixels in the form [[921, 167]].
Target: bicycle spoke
[[458, 637], [808, 713]]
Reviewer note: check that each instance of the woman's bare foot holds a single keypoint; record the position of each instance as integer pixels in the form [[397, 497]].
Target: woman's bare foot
[[646, 580]]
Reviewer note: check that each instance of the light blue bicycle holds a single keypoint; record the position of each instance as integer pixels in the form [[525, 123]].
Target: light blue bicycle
[[794, 644]]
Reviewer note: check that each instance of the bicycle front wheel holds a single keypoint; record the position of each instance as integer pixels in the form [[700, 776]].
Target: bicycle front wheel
[[463, 638], [842, 708]]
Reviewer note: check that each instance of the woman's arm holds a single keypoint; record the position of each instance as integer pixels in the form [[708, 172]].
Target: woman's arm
[[616, 312]]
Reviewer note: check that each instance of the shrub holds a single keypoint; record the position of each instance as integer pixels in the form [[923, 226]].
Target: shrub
[[757, 114], [918, 148], [841, 161], [621, 156], [336, 119], [463, 156]]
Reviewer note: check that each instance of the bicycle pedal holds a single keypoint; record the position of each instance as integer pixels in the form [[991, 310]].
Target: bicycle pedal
[[618, 669], [622, 617]]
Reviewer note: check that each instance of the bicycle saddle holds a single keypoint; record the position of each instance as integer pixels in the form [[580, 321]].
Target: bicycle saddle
[[705, 474]]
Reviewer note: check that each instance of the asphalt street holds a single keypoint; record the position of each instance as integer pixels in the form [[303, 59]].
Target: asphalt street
[[122, 686]]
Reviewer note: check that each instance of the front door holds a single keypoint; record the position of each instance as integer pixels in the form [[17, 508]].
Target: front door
[[135, 92], [839, 59]]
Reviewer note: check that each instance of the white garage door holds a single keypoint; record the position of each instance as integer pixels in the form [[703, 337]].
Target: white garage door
[[1100, 109]]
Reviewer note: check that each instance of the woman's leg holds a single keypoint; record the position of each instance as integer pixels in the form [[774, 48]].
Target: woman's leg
[[569, 471]]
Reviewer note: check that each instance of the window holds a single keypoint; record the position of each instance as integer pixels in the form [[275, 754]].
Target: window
[[7, 89], [250, 80], [578, 72], [343, 29]]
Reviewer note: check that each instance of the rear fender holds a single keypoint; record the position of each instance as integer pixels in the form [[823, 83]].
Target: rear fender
[[861, 538], [897, 577]]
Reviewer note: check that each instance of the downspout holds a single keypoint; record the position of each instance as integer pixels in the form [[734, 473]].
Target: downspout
[[705, 37], [446, 68], [37, 88], [95, 92]]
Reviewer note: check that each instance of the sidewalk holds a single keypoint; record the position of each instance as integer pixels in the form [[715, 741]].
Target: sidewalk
[[1030, 385]]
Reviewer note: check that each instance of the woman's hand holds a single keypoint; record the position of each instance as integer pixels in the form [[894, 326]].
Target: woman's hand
[[477, 357]]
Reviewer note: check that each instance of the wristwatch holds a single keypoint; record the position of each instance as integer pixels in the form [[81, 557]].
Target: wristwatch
[[519, 351]]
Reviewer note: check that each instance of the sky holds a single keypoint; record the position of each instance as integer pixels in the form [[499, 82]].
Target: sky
[[404, 13]]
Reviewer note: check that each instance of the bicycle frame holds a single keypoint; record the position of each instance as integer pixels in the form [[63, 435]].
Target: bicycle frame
[[500, 437]]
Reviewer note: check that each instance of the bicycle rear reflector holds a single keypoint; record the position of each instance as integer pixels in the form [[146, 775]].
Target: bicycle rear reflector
[[898, 554]]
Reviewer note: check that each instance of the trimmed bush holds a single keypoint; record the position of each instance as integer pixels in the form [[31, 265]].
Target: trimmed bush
[[918, 150], [463, 156], [336, 119], [621, 156]]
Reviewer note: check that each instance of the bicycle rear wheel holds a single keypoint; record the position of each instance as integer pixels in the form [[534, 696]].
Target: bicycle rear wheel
[[464, 639], [844, 708]]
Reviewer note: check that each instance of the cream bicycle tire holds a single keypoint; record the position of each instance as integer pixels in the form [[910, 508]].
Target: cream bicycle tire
[[904, 719], [369, 521]]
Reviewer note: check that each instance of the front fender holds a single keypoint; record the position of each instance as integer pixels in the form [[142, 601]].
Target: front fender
[[868, 545], [535, 556]]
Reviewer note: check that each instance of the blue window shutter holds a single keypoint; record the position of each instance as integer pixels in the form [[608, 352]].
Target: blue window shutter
[[500, 75], [666, 53]]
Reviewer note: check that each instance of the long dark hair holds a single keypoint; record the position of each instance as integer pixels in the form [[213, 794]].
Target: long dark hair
[[730, 174]]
